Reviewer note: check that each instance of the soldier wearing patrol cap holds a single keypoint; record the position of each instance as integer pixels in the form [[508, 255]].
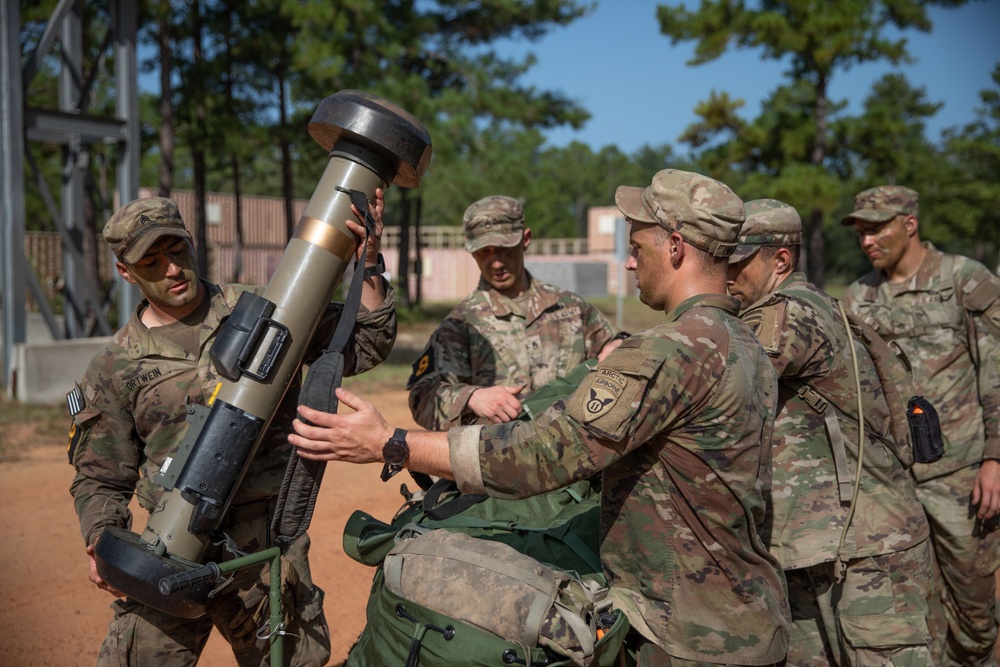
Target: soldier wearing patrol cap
[[128, 416], [859, 552], [678, 421], [943, 311], [508, 338]]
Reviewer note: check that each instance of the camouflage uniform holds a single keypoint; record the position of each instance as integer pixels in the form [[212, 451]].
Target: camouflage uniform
[[135, 391], [678, 419], [491, 339], [946, 319], [876, 613]]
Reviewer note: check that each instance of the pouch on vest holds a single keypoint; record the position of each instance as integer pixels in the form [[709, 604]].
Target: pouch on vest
[[925, 429]]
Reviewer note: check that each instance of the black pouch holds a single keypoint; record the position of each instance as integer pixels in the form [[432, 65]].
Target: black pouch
[[928, 443]]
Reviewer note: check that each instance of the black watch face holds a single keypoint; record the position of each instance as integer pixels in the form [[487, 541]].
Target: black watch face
[[395, 452]]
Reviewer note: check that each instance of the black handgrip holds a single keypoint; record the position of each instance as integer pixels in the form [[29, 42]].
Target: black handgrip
[[199, 575]]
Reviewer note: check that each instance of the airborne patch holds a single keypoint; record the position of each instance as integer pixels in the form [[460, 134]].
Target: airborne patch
[[605, 390]]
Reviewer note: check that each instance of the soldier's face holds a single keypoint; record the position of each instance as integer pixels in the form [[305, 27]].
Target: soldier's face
[[750, 279], [884, 243], [650, 261], [503, 268], [167, 274]]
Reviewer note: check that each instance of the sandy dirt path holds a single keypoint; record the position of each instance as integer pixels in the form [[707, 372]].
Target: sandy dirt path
[[50, 613]]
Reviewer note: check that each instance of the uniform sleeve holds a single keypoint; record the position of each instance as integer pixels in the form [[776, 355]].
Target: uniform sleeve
[[370, 343], [105, 451], [598, 330], [788, 332], [981, 299], [374, 335], [442, 382]]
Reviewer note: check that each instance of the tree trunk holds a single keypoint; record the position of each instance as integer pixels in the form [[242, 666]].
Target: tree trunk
[[166, 172], [816, 250], [418, 264], [197, 143], [404, 250], [287, 184]]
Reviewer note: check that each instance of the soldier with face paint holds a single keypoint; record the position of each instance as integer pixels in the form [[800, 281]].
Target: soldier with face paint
[[843, 520], [943, 311], [678, 421], [511, 336], [129, 417]]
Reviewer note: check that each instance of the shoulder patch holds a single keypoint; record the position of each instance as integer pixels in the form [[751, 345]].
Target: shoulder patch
[[421, 366], [982, 295], [605, 391], [766, 323], [75, 401]]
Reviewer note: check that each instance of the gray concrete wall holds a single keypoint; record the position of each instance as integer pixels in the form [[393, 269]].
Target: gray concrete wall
[[585, 278], [45, 369]]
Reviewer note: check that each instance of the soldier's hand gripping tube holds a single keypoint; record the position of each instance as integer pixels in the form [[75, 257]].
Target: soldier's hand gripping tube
[[371, 143]]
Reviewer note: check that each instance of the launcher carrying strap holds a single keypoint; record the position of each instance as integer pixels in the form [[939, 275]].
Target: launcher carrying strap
[[300, 485]]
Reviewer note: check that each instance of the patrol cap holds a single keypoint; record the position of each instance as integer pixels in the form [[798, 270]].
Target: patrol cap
[[882, 203], [494, 220], [138, 224], [707, 213], [769, 223]]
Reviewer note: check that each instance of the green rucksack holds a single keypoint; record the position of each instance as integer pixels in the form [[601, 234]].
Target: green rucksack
[[529, 569]]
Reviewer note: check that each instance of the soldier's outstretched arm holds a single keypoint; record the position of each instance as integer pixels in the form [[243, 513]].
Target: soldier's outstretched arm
[[358, 437]]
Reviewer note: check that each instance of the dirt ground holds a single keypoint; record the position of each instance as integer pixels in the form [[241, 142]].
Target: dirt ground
[[52, 615]]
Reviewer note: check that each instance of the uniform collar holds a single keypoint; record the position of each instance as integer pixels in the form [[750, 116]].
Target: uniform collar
[[725, 302]]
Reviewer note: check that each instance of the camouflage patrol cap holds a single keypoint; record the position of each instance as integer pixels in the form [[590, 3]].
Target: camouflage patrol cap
[[704, 211], [138, 224], [494, 220], [882, 203], [769, 223]]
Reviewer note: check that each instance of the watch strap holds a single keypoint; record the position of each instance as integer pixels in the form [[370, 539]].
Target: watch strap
[[378, 269]]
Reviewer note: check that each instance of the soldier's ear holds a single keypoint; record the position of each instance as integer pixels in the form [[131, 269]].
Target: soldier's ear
[[910, 224], [124, 272]]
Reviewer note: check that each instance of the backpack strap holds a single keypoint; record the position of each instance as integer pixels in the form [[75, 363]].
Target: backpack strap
[[817, 402], [303, 477]]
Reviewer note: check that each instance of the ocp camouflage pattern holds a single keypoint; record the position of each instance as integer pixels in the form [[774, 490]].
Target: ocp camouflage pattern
[[678, 419], [944, 320], [806, 340], [487, 341], [136, 390]]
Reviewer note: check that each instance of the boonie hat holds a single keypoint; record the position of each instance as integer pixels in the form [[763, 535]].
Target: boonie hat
[[494, 220], [769, 223], [882, 203], [138, 224], [707, 213]]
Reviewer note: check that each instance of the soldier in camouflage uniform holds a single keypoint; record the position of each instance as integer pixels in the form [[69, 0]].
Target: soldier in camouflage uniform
[[512, 335], [679, 421], [943, 311], [130, 416], [857, 563]]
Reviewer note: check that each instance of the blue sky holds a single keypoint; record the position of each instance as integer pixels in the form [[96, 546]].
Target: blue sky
[[635, 84]]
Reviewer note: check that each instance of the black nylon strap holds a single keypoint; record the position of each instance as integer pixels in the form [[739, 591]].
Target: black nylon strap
[[300, 485]]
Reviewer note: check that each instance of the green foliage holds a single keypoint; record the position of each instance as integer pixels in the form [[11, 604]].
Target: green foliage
[[799, 124]]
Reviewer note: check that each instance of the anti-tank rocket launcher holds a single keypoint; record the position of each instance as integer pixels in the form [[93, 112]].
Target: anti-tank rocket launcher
[[371, 143]]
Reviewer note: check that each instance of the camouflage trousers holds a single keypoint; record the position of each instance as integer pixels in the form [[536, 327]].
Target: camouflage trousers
[[874, 617], [141, 635], [963, 610]]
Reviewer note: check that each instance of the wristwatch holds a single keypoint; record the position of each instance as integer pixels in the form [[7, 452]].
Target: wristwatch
[[395, 452]]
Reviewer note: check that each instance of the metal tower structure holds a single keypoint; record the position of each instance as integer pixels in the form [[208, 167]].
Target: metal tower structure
[[77, 132]]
